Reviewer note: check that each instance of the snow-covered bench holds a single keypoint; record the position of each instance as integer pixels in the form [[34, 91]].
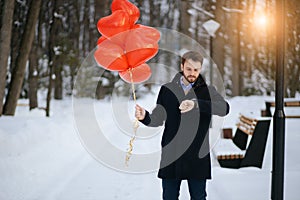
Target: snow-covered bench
[[247, 147]]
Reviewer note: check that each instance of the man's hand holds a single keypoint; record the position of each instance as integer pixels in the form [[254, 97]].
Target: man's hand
[[186, 106], [139, 112]]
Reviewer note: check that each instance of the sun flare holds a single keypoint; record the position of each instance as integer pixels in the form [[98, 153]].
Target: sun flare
[[261, 20]]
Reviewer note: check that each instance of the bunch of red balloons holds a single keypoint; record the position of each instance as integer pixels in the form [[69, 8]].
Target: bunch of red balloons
[[125, 46]]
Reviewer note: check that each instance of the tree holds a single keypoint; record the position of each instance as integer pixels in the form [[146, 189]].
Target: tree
[[218, 41], [58, 60], [5, 37], [19, 69], [65, 35], [33, 77], [236, 50], [51, 55]]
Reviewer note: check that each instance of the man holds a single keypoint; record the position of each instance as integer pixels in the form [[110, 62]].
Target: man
[[185, 107]]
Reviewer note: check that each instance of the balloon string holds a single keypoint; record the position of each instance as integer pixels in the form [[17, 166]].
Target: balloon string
[[135, 123]]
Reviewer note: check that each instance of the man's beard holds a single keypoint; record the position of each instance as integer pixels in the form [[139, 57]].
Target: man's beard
[[188, 78]]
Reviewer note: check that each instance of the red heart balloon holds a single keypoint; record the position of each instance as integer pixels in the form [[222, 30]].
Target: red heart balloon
[[110, 56], [101, 39], [120, 38], [113, 24], [139, 56], [131, 9], [141, 45], [124, 45], [138, 74], [151, 33]]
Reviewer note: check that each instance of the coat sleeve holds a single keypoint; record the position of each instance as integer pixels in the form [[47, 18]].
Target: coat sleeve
[[158, 115], [217, 105]]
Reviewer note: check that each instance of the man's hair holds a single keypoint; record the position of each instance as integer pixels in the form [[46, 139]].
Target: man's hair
[[193, 55]]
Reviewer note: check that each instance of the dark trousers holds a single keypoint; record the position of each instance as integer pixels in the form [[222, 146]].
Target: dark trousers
[[171, 187]]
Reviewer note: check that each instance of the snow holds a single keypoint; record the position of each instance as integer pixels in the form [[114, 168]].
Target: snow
[[232, 10], [195, 6], [35, 73], [44, 158]]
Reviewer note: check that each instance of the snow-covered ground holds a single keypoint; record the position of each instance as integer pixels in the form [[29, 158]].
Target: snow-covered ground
[[44, 158]]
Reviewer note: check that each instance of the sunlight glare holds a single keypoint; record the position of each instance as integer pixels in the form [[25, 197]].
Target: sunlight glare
[[261, 21]]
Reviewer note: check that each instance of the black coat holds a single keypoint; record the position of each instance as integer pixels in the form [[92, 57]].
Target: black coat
[[185, 141]]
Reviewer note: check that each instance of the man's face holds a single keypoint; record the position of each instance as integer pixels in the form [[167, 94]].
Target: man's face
[[191, 70]]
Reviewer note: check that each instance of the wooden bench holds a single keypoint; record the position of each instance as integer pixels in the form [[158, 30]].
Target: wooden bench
[[247, 147], [288, 102]]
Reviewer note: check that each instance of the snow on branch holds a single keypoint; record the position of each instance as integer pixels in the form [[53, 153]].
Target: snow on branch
[[233, 10], [203, 11], [62, 18]]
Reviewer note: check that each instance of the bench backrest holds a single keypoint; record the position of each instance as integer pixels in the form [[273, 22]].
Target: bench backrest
[[287, 103], [255, 148], [245, 127]]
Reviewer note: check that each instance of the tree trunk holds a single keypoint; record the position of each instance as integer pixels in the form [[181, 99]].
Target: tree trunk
[[33, 78], [5, 38], [236, 54], [51, 44], [184, 25], [218, 42], [58, 60], [58, 92], [184, 18], [50, 62], [19, 70]]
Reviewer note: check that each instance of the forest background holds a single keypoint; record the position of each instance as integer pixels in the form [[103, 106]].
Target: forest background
[[43, 44]]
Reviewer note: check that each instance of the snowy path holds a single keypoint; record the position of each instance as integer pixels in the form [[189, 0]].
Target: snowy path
[[43, 158]]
